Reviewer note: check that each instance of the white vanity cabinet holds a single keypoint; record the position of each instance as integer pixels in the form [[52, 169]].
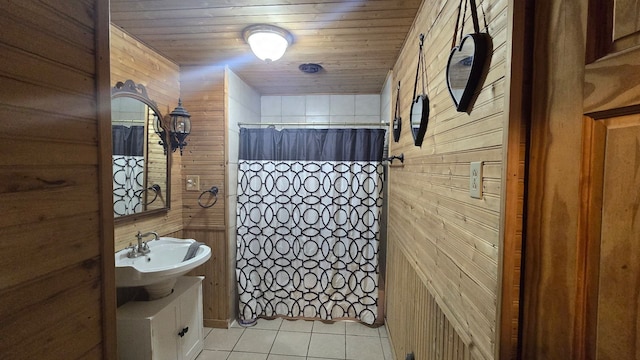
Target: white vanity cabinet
[[168, 328]]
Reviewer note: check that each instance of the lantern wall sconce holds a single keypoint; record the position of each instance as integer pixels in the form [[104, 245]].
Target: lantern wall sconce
[[268, 42], [179, 127]]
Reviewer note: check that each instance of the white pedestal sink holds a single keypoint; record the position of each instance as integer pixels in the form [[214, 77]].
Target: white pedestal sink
[[158, 270]]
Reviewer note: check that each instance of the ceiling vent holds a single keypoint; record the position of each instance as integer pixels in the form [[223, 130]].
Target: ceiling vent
[[310, 68]]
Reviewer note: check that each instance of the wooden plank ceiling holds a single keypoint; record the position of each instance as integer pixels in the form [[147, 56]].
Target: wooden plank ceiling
[[355, 41]]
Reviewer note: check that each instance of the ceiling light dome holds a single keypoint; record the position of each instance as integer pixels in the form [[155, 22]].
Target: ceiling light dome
[[267, 42]]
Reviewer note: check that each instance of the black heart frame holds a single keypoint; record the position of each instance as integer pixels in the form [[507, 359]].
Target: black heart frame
[[467, 70], [397, 120], [419, 131], [419, 113]]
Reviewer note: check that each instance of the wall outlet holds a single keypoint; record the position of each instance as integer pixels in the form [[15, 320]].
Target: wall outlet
[[475, 179], [193, 182]]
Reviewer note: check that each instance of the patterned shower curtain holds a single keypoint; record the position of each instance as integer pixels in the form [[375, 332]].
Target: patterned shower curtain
[[309, 205], [128, 169]]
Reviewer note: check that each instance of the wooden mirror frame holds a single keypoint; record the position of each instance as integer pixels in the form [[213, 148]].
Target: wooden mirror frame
[[129, 89]]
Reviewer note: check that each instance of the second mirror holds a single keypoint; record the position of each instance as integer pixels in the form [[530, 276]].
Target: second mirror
[[419, 115], [419, 118]]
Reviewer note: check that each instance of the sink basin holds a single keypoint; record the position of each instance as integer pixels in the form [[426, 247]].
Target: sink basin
[[158, 270]]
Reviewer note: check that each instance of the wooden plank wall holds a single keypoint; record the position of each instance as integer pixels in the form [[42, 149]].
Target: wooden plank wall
[[215, 287], [552, 254], [518, 112], [132, 59], [450, 240], [203, 95], [51, 271], [419, 325]]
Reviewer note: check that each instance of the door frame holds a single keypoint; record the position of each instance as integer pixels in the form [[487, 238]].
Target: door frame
[[105, 181], [514, 174]]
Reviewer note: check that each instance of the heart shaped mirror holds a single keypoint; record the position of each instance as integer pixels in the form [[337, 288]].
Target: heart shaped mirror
[[419, 118], [467, 61], [465, 69], [419, 115], [397, 120]]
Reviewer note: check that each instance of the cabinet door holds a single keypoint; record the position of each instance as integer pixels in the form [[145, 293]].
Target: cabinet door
[[191, 317], [164, 336]]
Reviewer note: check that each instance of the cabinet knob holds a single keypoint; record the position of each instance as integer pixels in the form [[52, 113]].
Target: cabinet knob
[[184, 331]]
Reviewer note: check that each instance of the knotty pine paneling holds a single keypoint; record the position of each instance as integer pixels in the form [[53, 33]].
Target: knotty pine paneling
[[356, 41], [518, 102], [417, 324], [215, 287], [55, 302], [132, 59], [552, 251], [203, 94], [56, 316], [444, 245]]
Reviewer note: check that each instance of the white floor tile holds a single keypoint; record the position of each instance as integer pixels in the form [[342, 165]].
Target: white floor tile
[[235, 324], [213, 355], [206, 331], [296, 325], [386, 349], [256, 340], [364, 348], [297, 340], [291, 343], [236, 355], [383, 331], [327, 346], [285, 357], [222, 339], [324, 328], [356, 328], [265, 324]]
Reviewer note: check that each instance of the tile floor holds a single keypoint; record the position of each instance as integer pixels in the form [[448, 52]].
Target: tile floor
[[297, 340]]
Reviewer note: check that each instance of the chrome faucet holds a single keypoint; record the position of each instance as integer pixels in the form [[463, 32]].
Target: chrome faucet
[[142, 248]]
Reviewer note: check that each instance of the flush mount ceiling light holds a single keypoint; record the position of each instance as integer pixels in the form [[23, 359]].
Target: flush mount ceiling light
[[267, 42]]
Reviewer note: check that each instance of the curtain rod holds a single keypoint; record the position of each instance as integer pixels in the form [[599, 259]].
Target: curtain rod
[[314, 124]]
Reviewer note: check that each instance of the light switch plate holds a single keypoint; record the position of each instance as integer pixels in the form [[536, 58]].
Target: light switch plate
[[193, 182], [475, 179]]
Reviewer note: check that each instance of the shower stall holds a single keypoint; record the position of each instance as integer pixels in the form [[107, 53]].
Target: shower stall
[[308, 223]]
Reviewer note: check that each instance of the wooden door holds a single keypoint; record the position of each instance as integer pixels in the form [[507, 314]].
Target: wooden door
[[610, 245], [609, 222], [581, 252]]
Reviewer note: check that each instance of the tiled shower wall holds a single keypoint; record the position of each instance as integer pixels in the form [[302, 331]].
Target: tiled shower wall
[[335, 110], [243, 105]]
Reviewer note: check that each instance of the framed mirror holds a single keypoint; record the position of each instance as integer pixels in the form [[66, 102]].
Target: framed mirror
[[468, 61], [140, 162], [466, 68], [419, 114], [397, 120], [419, 118]]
